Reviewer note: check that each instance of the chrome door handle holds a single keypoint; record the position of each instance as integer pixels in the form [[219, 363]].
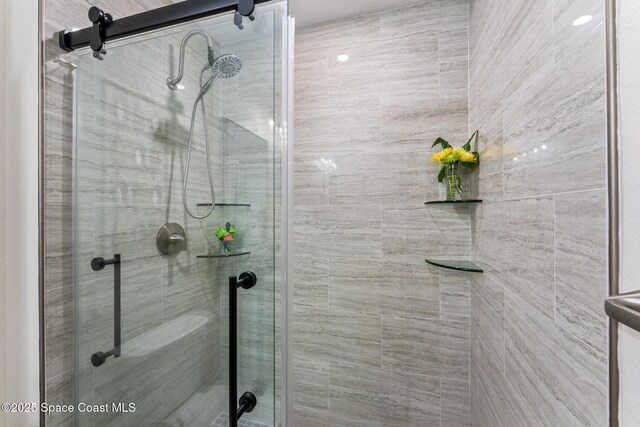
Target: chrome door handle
[[625, 308]]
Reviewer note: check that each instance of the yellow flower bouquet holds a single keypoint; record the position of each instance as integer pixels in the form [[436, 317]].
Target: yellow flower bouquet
[[450, 159]]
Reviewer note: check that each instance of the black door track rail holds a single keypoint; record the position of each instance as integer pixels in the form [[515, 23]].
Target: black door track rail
[[104, 28]]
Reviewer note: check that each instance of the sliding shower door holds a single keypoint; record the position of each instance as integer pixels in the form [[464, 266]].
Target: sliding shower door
[[153, 329]]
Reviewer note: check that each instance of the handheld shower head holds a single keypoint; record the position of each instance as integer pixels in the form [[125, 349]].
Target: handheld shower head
[[226, 66]]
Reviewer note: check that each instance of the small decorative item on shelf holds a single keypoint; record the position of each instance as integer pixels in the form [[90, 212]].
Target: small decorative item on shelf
[[226, 236], [450, 158]]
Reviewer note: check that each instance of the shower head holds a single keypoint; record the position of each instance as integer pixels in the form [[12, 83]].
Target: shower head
[[226, 66]]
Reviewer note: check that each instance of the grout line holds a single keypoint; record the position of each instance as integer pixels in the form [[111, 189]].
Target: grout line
[[538, 196], [553, 32], [555, 252]]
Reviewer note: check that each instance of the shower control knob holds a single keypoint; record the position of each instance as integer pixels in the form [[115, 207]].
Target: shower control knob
[[171, 239]]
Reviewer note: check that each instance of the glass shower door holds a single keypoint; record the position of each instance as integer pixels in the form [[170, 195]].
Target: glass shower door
[[152, 330]]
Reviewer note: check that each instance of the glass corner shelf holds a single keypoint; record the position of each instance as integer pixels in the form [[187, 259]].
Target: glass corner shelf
[[467, 266], [229, 255], [206, 205], [454, 202]]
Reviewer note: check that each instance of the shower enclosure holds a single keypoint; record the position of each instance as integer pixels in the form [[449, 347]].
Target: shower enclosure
[[168, 329]]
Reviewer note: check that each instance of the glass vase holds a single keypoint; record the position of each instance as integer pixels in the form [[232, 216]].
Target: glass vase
[[226, 247], [454, 182]]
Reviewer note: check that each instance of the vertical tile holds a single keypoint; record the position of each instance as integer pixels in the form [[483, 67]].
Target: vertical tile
[[487, 316], [494, 401], [527, 41], [572, 41], [454, 403], [581, 236], [453, 61], [541, 362], [311, 386], [59, 331], [454, 295], [528, 226], [60, 392]]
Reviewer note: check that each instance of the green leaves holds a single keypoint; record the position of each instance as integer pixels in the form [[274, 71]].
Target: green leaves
[[467, 146], [221, 233], [442, 142], [441, 175]]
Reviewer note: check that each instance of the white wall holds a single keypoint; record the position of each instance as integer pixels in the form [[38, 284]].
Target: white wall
[[19, 246], [629, 40]]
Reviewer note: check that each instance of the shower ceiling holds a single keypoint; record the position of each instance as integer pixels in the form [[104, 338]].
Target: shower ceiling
[[311, 12]]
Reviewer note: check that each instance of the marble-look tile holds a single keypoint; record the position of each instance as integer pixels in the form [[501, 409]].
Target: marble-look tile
[[339, 231], [390, 288], [486, 77], [59, 331], [311, 417], [311, 386], [426, 346], [453, 60], [411, 234], [311, 71], [392, 397], [402, 51], [311, 184], [558, 387], [60, 392], [59, 246], [338, 336], [581, 270], [572, 41], [130, 230], [377, 179], [494, 401], [148, 412], [554, 130], [527, 225], [411, 122], [141, 301], [454, 295], [345, 126], [454, 402], [184, 292], [310, 280], [487, 316], [527, 41], [436, 14]]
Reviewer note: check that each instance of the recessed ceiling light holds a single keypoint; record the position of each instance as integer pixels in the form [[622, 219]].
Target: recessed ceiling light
[[75, 29], [343, 58], [180, 87], [583, 20]]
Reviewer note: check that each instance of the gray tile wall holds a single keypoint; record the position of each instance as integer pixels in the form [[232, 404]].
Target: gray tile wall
[[538, 331], [380, 338]]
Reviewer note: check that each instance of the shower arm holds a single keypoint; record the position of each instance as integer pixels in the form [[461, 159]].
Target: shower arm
[[173, 83]]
